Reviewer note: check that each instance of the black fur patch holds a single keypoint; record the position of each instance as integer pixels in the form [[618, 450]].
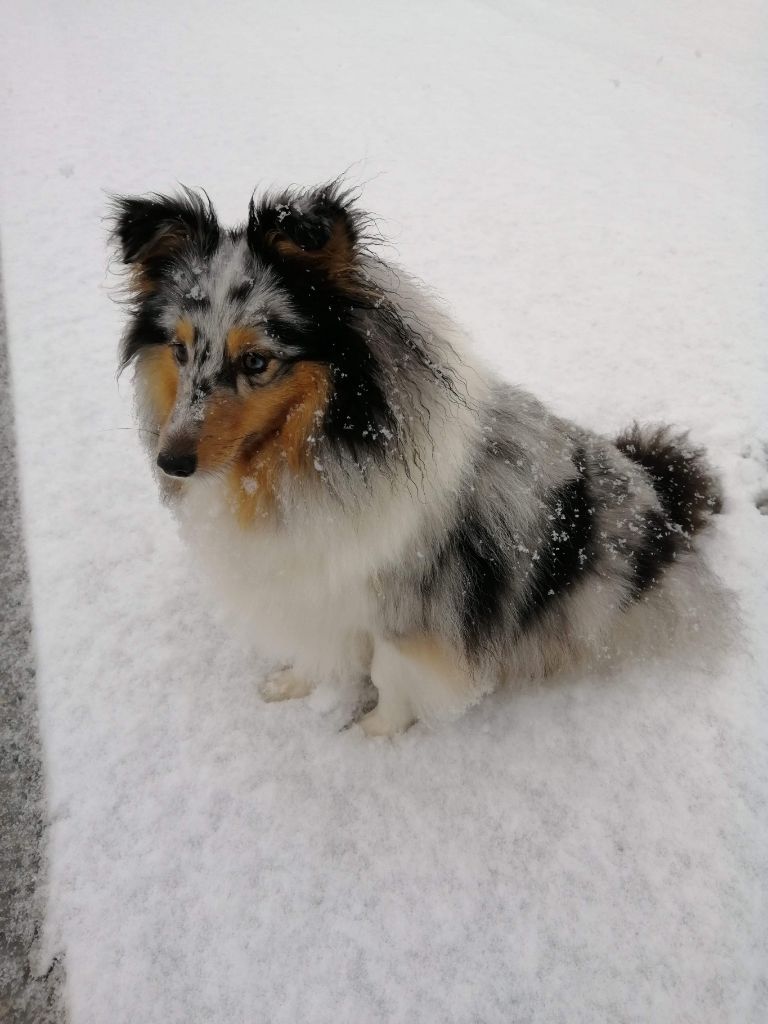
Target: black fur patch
[[484, 569], [660, 543], [568, 550], [687, 488], [240, 292], [358, 417], [143, 330], [307, 218]]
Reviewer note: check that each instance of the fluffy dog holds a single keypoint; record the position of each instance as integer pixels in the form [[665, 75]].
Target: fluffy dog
[[369, 500]]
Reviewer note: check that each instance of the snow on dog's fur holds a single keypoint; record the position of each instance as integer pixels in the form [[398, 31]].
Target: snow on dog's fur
[[369, 500]]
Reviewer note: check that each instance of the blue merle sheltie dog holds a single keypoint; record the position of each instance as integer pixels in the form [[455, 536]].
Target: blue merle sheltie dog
[[371, 502]]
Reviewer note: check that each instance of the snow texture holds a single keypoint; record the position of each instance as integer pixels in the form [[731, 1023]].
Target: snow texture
[[584, 182]]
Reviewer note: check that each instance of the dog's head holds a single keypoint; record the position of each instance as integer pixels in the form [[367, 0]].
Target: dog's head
[[247, 341]]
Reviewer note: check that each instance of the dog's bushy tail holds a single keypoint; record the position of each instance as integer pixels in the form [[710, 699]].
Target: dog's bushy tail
[[688, 489]]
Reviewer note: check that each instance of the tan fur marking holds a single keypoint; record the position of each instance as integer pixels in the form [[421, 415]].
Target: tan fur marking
[[139, 282], [166, 243], [162, 379], [276, 421], [335, 256], [240, 338], [185, 331]]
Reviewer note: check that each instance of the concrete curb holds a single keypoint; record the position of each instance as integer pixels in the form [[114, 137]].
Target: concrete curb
[[25, 997]]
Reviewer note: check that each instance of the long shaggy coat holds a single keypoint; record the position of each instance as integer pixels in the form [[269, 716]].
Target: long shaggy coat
[[369, 500]]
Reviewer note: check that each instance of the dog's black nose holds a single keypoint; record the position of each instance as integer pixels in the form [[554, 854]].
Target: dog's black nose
[[177, 464]]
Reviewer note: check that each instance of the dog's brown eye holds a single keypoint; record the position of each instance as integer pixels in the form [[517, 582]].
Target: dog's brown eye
[[254, 362], [180, 353]]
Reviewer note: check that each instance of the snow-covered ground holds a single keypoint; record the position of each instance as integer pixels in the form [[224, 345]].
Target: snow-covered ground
[[585, 184]]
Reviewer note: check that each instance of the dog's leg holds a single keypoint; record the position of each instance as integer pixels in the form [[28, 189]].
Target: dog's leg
[[394, 711], [417, 677], [285, 685]]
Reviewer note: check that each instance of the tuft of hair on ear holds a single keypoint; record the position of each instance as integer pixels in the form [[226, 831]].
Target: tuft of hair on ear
[[309, 229], [150, 231]]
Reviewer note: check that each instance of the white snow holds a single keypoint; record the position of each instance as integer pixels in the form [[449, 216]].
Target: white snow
[[585, 183]]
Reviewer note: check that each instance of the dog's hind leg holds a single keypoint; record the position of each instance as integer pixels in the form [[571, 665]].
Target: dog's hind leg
[[394, 711], [417, 677]]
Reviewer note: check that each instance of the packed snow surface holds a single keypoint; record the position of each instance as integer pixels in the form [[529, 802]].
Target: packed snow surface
[[584, 183]]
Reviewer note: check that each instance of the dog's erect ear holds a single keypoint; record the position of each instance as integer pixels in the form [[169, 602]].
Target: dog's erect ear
[[314, 230], [151, 230]]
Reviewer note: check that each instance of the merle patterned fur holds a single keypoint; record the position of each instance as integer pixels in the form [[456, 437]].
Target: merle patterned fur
[[541, 530]]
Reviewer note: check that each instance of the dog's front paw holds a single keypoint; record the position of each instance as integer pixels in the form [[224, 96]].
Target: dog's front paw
[[284, 685]]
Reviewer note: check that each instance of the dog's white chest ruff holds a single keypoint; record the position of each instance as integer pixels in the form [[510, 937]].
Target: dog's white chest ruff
[[301, 596]]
